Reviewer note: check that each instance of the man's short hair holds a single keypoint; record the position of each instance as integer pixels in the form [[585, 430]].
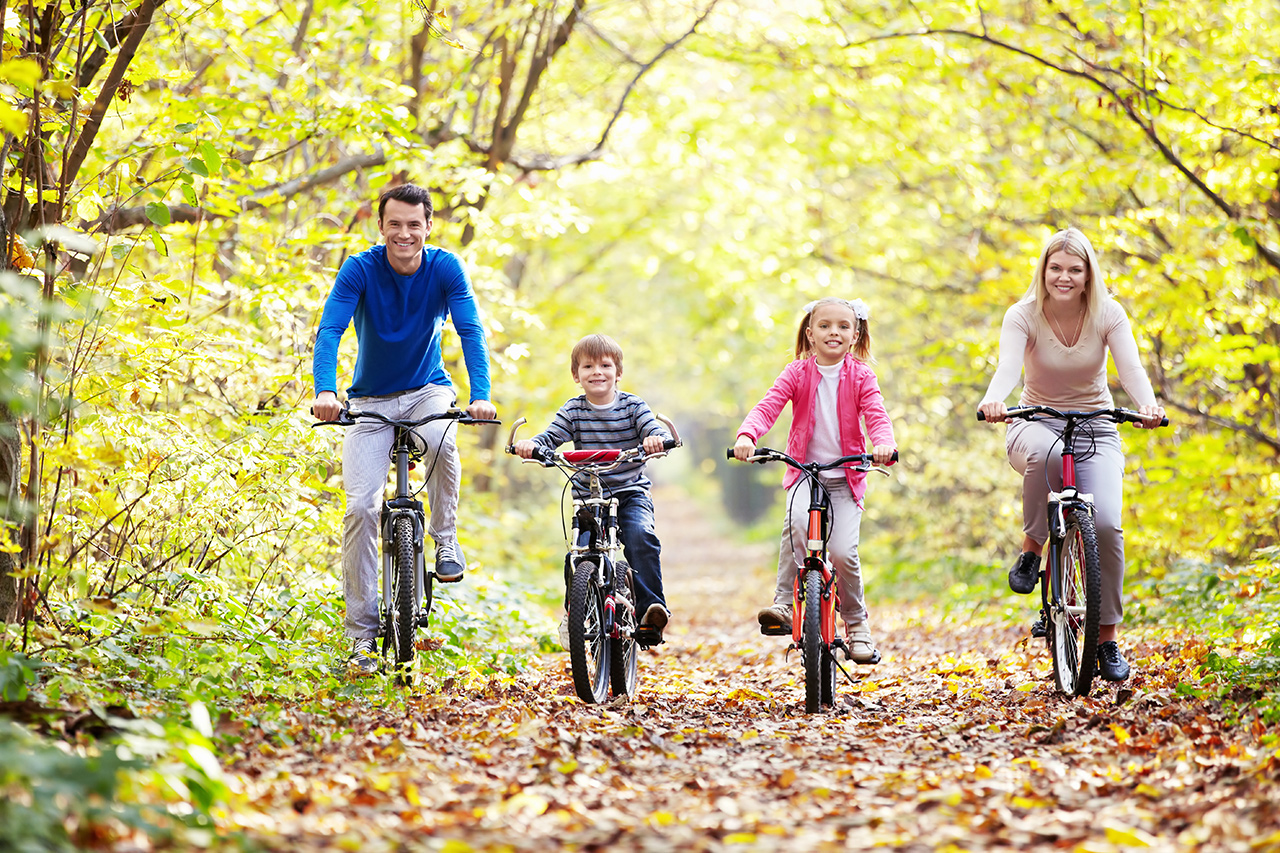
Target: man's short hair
[[595, 346], [408, 193]]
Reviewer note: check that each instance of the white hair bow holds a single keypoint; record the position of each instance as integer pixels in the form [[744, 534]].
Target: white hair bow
[[857, 306]]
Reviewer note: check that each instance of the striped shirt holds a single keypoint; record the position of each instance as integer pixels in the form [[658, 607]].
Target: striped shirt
[[622, 425]]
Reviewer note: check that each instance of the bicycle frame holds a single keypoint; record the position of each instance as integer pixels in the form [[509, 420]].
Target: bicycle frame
[[815, 560]]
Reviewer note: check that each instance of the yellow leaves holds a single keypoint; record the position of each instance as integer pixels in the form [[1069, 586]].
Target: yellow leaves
[[982, 771], [1029, 802], [20, 257], [1128, 836], [1122, 735]]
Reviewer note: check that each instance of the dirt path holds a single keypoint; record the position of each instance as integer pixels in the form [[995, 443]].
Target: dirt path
[[955, 740]]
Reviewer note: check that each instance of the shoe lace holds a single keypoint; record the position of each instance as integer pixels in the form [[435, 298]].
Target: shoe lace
[[364, 646], [448, 552], [1109, 653]]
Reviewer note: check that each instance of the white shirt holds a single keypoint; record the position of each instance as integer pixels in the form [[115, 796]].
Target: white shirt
[[825, 444]]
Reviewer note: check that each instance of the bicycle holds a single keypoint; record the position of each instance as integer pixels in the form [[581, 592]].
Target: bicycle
[[406, 584], [815, 597], [603, 632], [1071, 582]]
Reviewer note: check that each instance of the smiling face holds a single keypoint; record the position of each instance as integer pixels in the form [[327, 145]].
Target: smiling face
[[832, 332], [1065, 278], [598, 376], [405, 227]]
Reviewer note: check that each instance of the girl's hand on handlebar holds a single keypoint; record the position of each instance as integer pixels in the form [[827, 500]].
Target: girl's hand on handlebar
[[882, 455], [994, 412], [482, 410], [1152, 414], [743, 448], [653, 444], [524, 448]]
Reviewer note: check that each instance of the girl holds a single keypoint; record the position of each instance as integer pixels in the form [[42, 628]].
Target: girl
[[832, 391]]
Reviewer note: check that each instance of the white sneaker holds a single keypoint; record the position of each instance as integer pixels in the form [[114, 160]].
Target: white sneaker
[[564, 632]]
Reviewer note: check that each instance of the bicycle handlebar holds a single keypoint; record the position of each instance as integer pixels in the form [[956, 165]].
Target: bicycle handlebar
[[348, 417], [768, 454], [600, 459], [1118, 415]]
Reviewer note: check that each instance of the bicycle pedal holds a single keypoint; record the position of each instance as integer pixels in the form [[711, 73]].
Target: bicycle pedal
[[775, 630], [424, 621], [648, 637]]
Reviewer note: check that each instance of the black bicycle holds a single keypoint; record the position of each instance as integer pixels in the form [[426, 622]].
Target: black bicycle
[[1071, 589], [406, 584], [600, 596]]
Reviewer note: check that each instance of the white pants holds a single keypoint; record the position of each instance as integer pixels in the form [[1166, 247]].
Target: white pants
[[1035, 446], [843, 525], [366, 459]]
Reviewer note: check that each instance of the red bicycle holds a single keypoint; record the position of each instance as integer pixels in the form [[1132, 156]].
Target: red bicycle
[[816, 594]]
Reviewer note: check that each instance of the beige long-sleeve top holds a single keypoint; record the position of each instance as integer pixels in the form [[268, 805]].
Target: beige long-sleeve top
[[1068, 377]]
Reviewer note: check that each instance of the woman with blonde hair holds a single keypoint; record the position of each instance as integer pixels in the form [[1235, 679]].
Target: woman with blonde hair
[[1059, 335]]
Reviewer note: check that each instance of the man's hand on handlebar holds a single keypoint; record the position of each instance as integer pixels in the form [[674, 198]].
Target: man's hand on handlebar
[[482, 410], [994, 412], [326, 406], [744, 448]]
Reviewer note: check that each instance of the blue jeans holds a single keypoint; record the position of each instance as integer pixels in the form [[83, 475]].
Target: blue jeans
[[641, 548]]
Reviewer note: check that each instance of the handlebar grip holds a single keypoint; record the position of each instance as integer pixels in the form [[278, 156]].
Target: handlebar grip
[[728, 454], [982, 416], [480, 420], [894, 457], [670, 444], [1164, 422]]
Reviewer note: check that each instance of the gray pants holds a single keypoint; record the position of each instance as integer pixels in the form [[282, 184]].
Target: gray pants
[[366, 459], [1033, 446], [843, 527]]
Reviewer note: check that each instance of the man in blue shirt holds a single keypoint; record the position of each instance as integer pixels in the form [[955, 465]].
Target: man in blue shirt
[[398, 294]]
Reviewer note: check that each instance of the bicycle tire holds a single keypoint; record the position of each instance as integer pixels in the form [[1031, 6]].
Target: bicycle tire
[[1075, 607], [811, 641], [623, 669], [403, 620], [828, 681], [588, 644]]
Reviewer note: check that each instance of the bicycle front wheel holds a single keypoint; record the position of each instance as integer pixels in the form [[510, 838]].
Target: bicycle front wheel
[[1075, 605], [588, 643], [402, 620], [811, 650]]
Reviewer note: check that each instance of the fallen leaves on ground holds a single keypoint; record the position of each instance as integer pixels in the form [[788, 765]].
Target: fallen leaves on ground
[[957, 740]]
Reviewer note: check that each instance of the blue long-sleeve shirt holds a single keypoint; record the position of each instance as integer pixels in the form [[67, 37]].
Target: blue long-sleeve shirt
[[398, 320]]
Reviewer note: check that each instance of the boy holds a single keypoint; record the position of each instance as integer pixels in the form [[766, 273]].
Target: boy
[[604, 417]]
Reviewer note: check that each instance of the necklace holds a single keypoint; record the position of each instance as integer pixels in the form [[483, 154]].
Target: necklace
[[1069, 342]]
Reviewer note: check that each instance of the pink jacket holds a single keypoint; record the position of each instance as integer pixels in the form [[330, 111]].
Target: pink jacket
[[858, 398]]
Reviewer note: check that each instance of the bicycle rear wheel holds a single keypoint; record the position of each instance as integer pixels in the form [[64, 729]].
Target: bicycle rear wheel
[[402, 620], [811, 641], [588, 643], [622, 651], [1075, 605]]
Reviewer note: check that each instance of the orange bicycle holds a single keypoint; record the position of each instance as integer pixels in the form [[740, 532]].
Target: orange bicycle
[[816, 594]]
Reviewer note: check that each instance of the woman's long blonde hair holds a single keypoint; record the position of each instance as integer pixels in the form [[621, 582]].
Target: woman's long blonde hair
[[1073, 242], [861, 347]]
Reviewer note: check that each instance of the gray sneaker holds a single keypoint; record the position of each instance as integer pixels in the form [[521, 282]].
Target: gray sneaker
[[449, 567], [564, 632], [364, 656], [775, 617]]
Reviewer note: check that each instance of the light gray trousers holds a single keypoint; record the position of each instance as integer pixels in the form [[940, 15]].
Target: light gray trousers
[[1033, 446], [843, 527], [366, 459]]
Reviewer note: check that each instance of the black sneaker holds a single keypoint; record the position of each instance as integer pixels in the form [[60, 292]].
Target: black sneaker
[[364, 656], [1111, 664], [1040, 627], [1025, 573], [449, 567]]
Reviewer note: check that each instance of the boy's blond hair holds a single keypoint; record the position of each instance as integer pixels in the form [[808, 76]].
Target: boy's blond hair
[[595, 346]]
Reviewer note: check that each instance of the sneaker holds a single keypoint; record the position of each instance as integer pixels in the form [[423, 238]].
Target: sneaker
[[564, 632], [775, 617], [1040, 627], [1025, 573], [448, 563], [656, 617], [858, 642], [364, 656], [1111, 664]]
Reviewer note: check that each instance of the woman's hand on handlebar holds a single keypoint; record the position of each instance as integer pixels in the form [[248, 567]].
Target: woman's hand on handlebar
[[744, 448], [482, 410], [994, 412], [1152, 416]]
